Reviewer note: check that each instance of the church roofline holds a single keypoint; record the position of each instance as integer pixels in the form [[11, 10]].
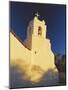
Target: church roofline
[[18, 38]]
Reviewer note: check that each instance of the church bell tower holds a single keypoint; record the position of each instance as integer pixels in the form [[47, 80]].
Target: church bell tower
[[36, 33]]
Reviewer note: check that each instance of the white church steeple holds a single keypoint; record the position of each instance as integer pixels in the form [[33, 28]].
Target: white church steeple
[[36, 28]]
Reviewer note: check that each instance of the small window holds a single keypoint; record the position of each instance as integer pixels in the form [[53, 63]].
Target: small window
[[35, 52], [39, 31]]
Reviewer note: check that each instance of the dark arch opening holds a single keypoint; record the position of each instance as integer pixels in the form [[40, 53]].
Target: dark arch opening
[[39, 31]]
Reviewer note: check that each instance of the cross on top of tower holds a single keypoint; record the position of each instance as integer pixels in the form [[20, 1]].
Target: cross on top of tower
[[37, 14]]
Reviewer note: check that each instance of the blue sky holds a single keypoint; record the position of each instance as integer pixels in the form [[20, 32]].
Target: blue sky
[[54, 15]]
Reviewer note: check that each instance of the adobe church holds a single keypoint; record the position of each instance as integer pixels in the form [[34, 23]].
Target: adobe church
[[33, 55]]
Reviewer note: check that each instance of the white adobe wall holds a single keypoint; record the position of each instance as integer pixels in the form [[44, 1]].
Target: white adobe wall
[[18, 51]]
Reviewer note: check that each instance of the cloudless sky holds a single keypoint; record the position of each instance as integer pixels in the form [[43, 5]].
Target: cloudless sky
[[53, 14]]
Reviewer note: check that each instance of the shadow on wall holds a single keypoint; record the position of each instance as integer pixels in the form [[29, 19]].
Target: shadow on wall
[[17, 74]]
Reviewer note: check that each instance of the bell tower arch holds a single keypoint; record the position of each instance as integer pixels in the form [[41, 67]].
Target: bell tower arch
[[39, 28]]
